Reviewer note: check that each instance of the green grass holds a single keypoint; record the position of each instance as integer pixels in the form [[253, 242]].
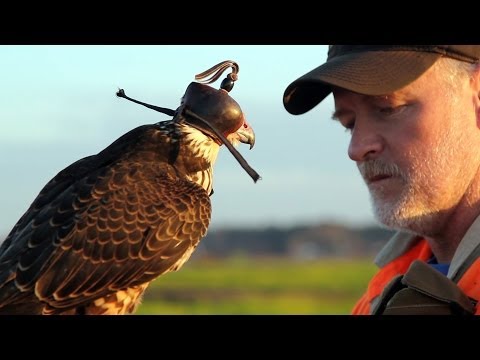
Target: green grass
[[262, 286]]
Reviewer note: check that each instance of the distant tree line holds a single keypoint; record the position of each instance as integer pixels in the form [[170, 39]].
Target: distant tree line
[[302, 242]]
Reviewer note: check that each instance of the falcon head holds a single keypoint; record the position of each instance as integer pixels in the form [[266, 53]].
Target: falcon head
[[220, 111], [213, 113]]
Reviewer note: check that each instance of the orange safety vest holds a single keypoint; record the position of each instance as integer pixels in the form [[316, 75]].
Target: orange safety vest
[[469, 282]]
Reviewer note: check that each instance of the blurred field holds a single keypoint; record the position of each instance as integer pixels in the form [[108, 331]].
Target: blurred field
[[262, 286]]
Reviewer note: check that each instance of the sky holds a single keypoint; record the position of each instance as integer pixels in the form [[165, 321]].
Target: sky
[[58, 104]]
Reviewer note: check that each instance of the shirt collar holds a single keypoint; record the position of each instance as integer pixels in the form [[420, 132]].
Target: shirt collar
[[401, 242]]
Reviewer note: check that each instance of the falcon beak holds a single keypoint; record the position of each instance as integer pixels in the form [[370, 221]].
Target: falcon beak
[[246, 135]]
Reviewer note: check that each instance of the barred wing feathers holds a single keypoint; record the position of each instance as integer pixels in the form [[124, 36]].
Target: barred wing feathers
[[108, 222]]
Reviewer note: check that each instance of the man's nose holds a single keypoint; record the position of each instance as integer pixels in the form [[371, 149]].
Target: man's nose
[[365, 144]]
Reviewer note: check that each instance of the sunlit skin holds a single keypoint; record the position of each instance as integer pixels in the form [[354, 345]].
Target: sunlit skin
[[425, 140]]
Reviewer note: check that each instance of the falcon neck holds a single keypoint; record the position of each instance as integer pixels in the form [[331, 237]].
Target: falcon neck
[[196, 157]]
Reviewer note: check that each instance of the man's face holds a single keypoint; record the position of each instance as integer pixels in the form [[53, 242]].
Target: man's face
[[416, 149]]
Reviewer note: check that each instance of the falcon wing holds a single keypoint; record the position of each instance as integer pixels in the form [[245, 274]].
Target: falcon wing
[[120, 226]]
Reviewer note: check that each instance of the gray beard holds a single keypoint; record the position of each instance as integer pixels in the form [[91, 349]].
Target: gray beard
[[417, 208], [397, 215]]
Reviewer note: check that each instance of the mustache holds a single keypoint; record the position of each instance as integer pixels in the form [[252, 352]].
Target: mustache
[[372, 168]]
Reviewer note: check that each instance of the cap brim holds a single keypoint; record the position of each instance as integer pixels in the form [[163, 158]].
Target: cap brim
[[369, 73]]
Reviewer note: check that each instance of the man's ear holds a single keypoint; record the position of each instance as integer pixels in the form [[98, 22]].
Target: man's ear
[[475, 84]]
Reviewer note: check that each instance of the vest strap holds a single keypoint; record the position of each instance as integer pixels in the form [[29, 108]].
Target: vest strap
[[422, 290]]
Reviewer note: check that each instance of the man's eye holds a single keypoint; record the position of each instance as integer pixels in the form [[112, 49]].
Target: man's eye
[[349, 126], [391, 110]]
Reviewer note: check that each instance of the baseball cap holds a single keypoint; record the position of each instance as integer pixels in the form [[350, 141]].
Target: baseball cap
[[369, 70]]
